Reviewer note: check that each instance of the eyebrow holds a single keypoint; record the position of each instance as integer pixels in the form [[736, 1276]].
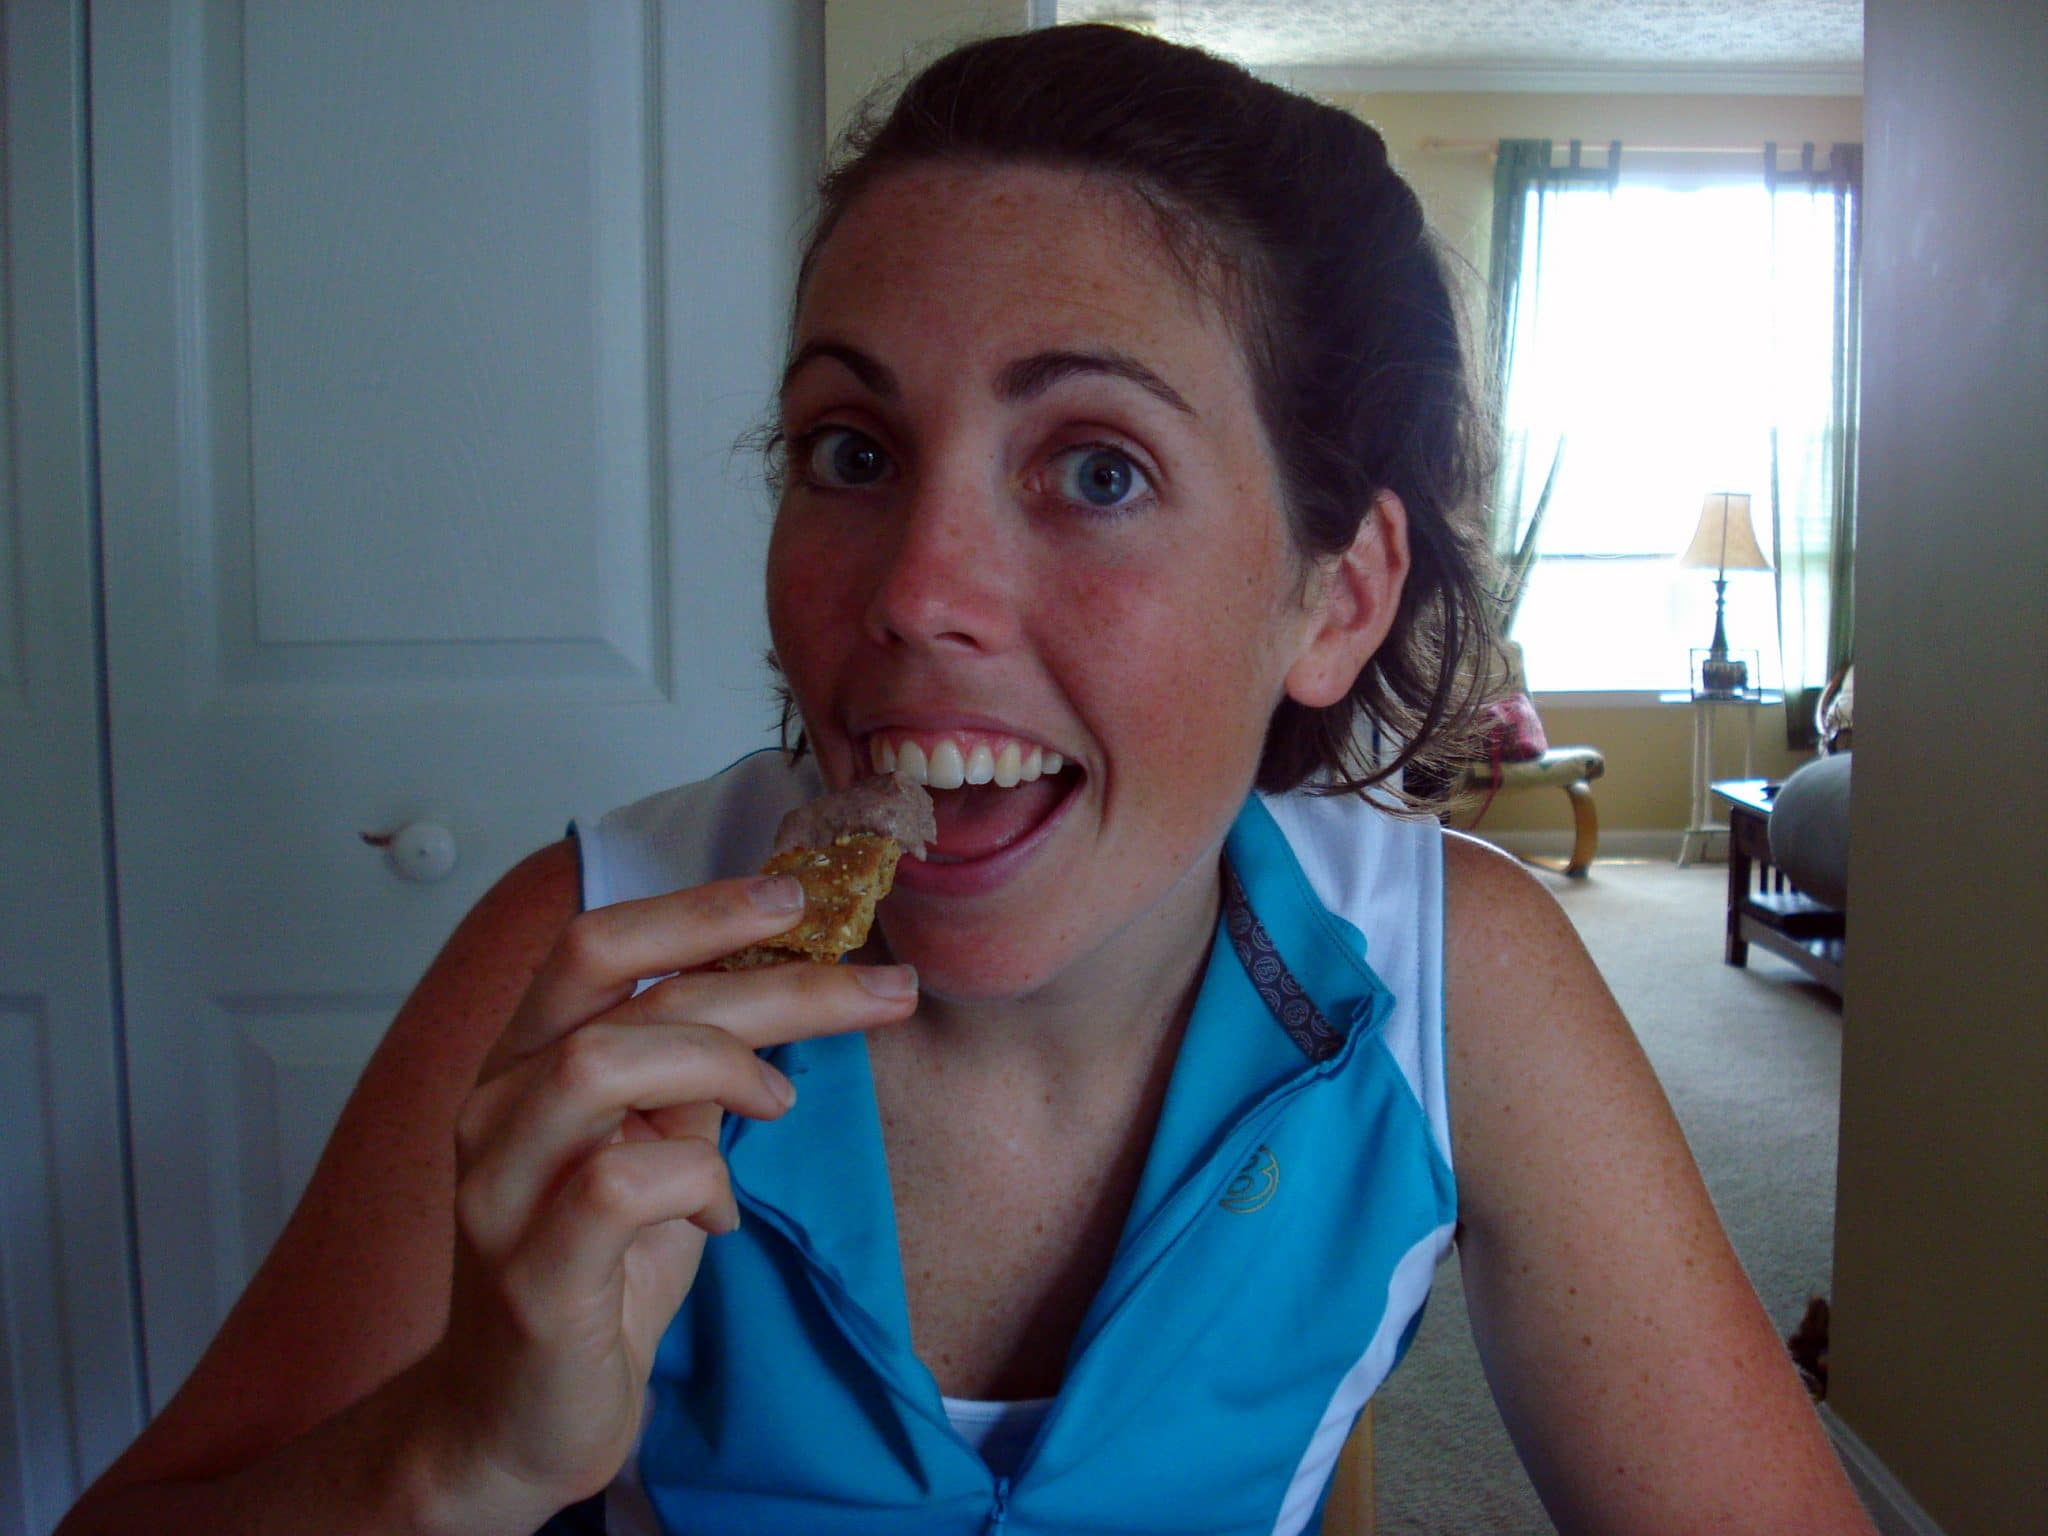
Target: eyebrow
[[875, 376], [1031, 376], [1025, 379]]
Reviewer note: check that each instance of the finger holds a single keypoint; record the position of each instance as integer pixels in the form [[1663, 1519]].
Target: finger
[[553, 1109], [754, 1009], [575, 1248], [604, 952], [600, 1054], [779, 1003]]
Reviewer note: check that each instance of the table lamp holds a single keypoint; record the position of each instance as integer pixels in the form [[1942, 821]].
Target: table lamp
[[1723, 542]]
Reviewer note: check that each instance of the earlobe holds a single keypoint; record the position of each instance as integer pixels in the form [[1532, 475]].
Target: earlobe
[[1361, 591]]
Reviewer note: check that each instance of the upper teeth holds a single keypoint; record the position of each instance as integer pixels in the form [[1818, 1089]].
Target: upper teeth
[[945, 765]]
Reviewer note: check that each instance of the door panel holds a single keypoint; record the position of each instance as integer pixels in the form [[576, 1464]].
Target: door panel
[[279, 1068], [36, 1471], [407, 392], [426, 332], [70, 1385]]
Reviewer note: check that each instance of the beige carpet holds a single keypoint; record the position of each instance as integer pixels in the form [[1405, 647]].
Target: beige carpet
[[1751, 1060]]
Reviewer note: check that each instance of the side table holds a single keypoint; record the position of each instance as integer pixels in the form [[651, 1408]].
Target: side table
[[1704, 714], [1763, 906]]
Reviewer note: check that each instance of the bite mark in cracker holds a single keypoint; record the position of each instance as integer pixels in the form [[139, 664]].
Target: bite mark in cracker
[[868, 825]]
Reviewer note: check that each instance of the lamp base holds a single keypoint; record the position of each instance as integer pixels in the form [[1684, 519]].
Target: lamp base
[[1724, 677]]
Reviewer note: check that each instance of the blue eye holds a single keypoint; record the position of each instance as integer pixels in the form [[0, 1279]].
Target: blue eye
[[840, 457], [1100, 477]]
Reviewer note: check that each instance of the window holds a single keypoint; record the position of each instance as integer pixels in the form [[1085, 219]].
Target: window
[[1654, 358]]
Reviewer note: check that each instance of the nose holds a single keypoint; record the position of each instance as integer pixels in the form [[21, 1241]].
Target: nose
[[948, 579]]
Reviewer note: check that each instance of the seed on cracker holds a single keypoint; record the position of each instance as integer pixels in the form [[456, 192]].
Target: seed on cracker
[[868, 826]]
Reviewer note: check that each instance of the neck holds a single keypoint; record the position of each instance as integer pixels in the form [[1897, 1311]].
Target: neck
[[1128, 1000]]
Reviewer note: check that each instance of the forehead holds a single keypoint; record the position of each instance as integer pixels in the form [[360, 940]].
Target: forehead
[[1022, 257]]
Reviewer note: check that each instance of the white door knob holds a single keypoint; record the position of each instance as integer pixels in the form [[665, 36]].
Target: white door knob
[[419, 851]]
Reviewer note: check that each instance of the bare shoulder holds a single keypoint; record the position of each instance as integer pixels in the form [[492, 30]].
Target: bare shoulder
[[1531, 1027], [356, 1286], [1615, 1323], [1509, 952], [1491, 897], [1529, 1020]]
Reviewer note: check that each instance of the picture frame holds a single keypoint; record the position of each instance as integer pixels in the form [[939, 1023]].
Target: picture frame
[[1730, 679]]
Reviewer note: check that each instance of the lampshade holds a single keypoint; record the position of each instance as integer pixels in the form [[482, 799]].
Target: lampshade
[[1724, 540]]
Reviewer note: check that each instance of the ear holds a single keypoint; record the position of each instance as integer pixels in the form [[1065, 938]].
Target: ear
[[1354, 608]]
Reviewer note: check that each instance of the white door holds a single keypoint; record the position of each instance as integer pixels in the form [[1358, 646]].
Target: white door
[[70, 1387], [426, 329]]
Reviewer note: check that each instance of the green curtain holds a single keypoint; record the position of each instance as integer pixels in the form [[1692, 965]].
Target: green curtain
[[1526, 182], [1816, 219]]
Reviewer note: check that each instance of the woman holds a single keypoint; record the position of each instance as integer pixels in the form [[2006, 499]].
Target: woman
[[1122, 432]]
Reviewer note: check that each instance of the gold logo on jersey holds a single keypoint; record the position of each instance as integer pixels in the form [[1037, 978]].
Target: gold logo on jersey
[[1255, 1184]]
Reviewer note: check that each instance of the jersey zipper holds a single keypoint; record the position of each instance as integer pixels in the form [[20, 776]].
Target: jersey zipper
[[1175, 1217], [867, 1333], [999, 1509]]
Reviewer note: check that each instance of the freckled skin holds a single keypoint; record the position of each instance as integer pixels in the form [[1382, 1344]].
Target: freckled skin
[[1631, 1360], [1150, 648]]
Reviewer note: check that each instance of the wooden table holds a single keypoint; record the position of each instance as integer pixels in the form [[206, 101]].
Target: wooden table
[[1763, 906]]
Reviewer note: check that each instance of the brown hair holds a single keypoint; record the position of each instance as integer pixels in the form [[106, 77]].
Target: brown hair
[[1287, 211]]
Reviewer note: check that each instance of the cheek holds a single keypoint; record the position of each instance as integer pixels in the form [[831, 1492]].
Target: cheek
[[783, 573], [807, 590], [1182, 653]]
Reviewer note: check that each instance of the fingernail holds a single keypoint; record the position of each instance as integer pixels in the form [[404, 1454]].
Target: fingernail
[[777, 893], [778, 1085], [892, 981]]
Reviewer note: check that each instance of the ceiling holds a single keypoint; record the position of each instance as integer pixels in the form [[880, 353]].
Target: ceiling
[[1800, 45]]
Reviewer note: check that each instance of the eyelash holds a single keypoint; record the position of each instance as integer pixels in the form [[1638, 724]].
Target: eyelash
[[803, 449]]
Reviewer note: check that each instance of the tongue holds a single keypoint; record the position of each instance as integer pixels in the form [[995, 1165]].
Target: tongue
[[980, 819]]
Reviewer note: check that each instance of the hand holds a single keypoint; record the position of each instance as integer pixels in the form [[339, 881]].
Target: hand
[[588, 1172]]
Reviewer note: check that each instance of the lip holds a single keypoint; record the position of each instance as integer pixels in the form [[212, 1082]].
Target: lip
[[977, 877]]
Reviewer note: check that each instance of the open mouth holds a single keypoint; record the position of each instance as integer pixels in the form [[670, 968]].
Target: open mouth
[[990, 793]]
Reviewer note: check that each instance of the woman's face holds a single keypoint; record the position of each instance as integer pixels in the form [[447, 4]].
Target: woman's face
[[1030, 516]]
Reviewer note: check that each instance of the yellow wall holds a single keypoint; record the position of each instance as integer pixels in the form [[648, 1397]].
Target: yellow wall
[[1648, 746], [1940, 1347], [869, 41], [1456, 185]]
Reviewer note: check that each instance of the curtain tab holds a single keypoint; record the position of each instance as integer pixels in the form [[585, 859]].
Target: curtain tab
[[1576, 169], [1845, 166]]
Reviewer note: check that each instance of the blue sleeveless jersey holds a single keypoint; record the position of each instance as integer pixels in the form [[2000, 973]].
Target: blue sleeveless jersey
[[1294, 1205]]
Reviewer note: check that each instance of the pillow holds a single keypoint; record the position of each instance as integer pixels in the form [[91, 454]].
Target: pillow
[[1810, 829], [1514, 731]]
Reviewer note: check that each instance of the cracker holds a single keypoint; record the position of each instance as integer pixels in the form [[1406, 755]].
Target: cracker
[[841, 884]]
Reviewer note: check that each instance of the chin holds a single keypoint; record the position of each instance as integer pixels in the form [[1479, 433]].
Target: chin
[[963, 963]]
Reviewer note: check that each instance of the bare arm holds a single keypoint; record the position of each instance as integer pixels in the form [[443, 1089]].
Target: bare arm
[[356, 1287], [455, 1331], [1637, 1372]]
